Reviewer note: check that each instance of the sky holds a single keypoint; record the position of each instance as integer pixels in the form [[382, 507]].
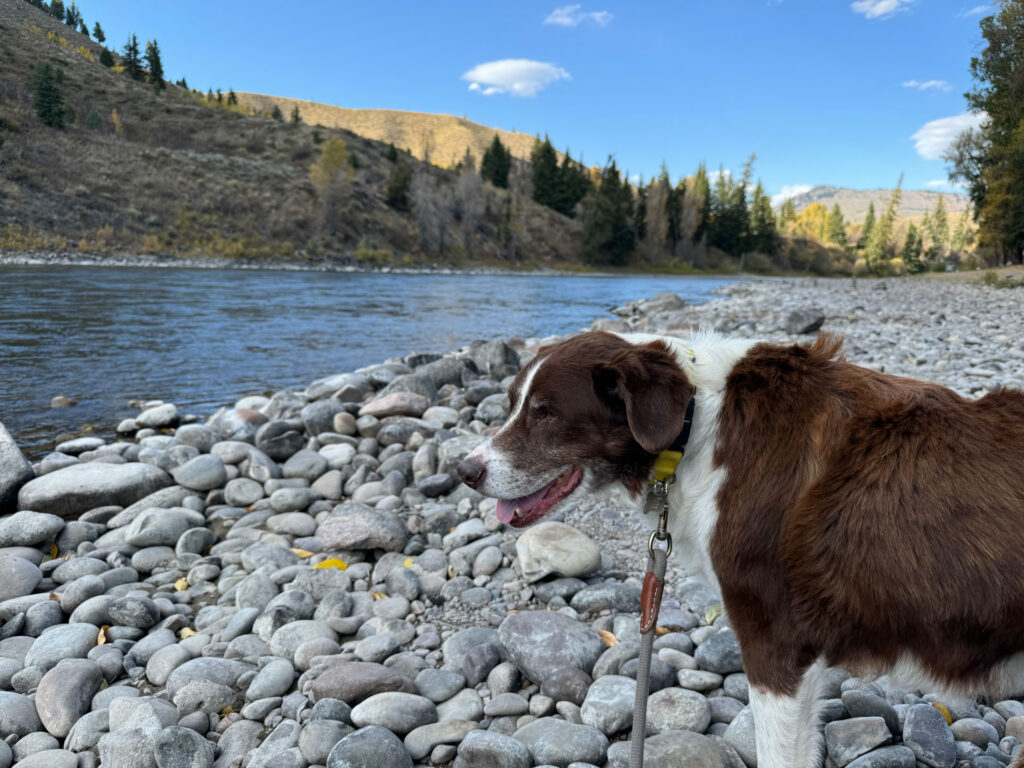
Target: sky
[[850, 94]]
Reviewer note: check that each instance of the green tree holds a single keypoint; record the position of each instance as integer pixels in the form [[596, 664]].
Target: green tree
[[106, 58], [72, 15], [296, 118], [673, 202], [232, 97], [93, 121], [155, 66], [83, 28], [573, 184], [640, 216], [46, 96], [130, 58], [608, 236], [911, 253], [879, 249], [396, 192], [275, 113], [496, 164], [392, 153], [867, 227], [764, 237], [331, 176], [939, 225], [57, 9], [546, 177], [97, 32], [702, 193], [959, 240], [730, 220], [835, 226]]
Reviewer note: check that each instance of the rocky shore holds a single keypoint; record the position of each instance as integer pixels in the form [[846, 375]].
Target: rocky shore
[[300, 580]]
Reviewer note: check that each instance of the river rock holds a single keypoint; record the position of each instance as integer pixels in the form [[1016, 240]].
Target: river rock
[[398, 712], [18, 715], [18, 577], [553, 547], [15, 471], [65, 694], [847, 740], [354, 681], [73, 490], [64, 641], [203, 473], [370, 747], [677, 709], [926, 733], [363, 528], [177, 747], [539, 641], [396, 404], [484, 749], [674, 748], [159, 416], [558, 742], [27, 528], [161, 527], [609, 704], [420, 741]]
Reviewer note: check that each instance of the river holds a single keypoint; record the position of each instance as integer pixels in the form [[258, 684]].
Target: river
[[201, 338]]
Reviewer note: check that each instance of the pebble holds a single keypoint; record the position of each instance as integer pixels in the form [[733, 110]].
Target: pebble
[[369, 747], [559, 743]]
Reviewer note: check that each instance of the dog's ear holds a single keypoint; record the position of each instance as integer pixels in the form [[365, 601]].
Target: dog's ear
[[650, 385]]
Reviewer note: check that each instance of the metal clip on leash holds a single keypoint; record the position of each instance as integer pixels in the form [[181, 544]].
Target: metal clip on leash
[[650, 603]]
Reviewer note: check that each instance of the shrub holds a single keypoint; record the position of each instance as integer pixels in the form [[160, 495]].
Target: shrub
[[93, 121], [46, 96], [396, 192]]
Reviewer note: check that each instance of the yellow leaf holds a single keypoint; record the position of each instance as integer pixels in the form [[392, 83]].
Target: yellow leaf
[[303, 553], [101, 638], [713, 612], [945, 712], [379, 596], [181, 584], [55, 597], [608, 638], [659, 631], [407, 562], [187, 632], [227, 710], [333, 562], [53, 551]]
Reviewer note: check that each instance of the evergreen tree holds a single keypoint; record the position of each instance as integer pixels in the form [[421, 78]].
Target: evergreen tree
[[83, 28], [763, 233], [72, 15], [232, 97], [106, 58], [392, 153], [396, 193], [275, 113], [911, 253], [130, 58], [788, 211], [640, 217], [93, 121], [938, 226], [46, 96], [97, 32], [496, 164], [57, 9], [220, 97], [673, 210], [573, 185], [546, 177], [702, 191], [608, 236], [867, 227], [879, 248], [296, 117], [959, 239], [835, 227], [730, 222], [155, 66]]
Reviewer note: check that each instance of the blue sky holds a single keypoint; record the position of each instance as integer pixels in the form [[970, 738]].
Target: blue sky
[[824, 91]]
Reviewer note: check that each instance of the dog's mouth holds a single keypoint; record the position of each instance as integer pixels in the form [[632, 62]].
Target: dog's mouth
[[524, 510]]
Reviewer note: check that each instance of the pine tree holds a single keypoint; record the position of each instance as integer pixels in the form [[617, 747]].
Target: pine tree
[[276, 114], [867, 227], [83, 28], [673, 210], [939, 226], [959, 239], [396, 192], [220, 96], [788, 210], [496, 164], [57, 9], [835, 227], [879, 248], [46, 96], [93, 121], [106, 58], [97, 32], [608, 236], [640, 216], [392, 153], [232, 97], [702, 191], [546, 177], [911, 253], [72, 15], [763, 233], [155, 66], [296, 117], [130, 58]]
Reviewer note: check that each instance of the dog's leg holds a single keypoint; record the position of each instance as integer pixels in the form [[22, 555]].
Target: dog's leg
[[786, 727]]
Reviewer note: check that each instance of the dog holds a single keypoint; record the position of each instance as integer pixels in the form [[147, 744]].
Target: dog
[[847, 517]]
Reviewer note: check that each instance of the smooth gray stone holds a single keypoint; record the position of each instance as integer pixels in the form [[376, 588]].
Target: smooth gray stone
[[608, 706], [87, 732], [464, 705], [161, 526], [439, 684], [740, 736], [27, 528], [289, 637], [505, 704], [205, 696], [66, 641], [369, 746], [272, 680], [483, 749], [607, 596], [239, 738], [354, 681], [674, 748], [399, 712], [103, 698], [177, 747], [138, 612], [50, 758], [886, 757], [73, 490], [203, 473], [540, 641], [864, 703], [18, 714], [720, 653], [18, 577], [15, 471], [847, 740], [222, 671], [421, 741], [555, 741], [363, 528], [926, 733], [976, 731], [164, 661], [65, 694], [318, 738], [677, 709]]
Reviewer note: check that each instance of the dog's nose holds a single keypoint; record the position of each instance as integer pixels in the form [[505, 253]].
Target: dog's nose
[[472, 471]]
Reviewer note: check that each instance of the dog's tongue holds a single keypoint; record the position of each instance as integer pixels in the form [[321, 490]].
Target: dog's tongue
[[507, 507]]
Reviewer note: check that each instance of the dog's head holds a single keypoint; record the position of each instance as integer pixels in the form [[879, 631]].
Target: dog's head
[[588, 412]]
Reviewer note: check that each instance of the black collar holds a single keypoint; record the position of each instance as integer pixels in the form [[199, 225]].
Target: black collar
[[679, 444]]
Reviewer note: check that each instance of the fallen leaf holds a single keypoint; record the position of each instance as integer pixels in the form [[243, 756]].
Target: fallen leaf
[[945, 712], [713, 612], [379, 596], [608, 638], [187, 632], [181, 584], [407, 562], [53, 551], [333, 562], [101, 638], [662, 631], [303, 553], [55, 597], [227, 710]]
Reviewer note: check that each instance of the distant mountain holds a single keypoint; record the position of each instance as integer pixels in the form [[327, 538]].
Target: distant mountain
[[442, 139], [854, 202]]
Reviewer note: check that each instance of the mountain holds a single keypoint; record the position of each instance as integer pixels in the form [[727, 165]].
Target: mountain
[[441, 139], [854, 202], [172, 173]]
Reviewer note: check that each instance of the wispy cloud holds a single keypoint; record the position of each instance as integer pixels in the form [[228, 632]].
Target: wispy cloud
[[927, 85], [788, 191], [935, 137], [879, 9], [978, 10], [943, 185], [573, 16], [518, 77]]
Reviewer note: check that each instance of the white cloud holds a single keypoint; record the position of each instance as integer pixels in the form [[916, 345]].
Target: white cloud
[[714, 175], [518, 77], [879, 9], [788, 191], [927, 85], [978, 10], [573, 16], [935, 137], [944, 184]]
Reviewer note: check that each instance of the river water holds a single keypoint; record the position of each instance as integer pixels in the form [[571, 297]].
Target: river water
[[202, 338]]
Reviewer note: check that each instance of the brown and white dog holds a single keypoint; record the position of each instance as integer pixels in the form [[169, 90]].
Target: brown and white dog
[[848, 518]]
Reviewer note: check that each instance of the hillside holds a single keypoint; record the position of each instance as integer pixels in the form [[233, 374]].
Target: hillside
[[170, 173], [854, 202], [442, 139]]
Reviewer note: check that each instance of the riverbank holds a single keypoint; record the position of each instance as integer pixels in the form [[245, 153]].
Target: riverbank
[[299, 580]]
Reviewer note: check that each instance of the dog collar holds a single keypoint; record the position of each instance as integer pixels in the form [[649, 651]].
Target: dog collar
[[668, 460]]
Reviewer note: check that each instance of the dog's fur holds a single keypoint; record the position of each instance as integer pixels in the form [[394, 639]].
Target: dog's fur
[[848, 518]]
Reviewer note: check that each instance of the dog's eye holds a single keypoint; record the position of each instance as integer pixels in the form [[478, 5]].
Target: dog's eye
[[541, 411]]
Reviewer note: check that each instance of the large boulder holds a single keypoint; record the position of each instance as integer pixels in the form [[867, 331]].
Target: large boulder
[[76, 489], [15, 471]]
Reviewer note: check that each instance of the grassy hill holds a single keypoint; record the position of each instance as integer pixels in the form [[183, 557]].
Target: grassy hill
[[441, 139], [854, 202], [170, 173]]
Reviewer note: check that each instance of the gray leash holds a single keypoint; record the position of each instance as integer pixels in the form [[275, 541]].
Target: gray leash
[[650, 603]]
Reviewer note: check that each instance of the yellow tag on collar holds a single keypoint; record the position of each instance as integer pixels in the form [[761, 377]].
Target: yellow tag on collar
[[666, 463]]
